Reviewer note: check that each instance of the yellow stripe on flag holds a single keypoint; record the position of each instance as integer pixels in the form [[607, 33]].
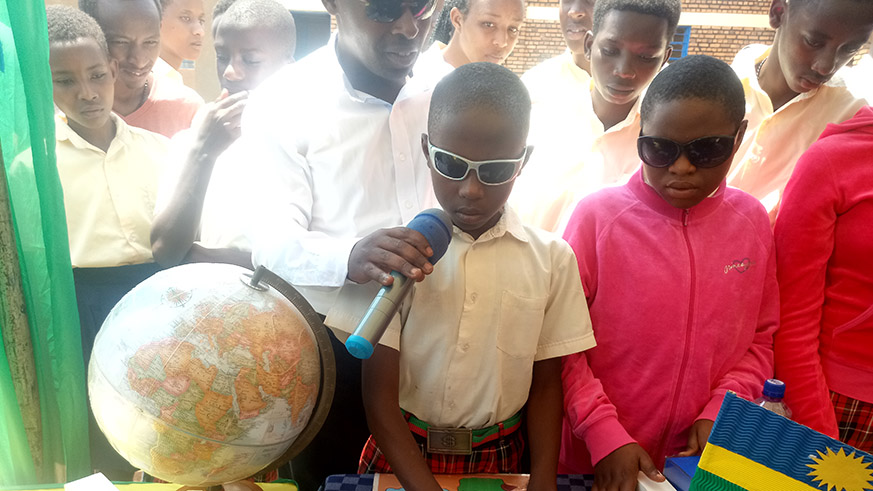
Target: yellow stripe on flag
[[747, 473]]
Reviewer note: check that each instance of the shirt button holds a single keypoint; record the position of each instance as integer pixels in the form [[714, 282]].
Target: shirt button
[[474, 297], [465, 347], [407, 204], [402, 156], [452, 404]]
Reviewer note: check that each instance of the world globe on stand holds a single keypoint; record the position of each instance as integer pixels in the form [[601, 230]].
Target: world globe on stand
[[200, 378]]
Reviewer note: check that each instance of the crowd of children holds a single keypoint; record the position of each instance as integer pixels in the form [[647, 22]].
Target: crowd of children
[[600, 353]]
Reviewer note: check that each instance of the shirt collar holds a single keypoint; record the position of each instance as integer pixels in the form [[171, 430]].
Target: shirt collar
[[63, 132], [746, 66], [355, 94], [509, 223]]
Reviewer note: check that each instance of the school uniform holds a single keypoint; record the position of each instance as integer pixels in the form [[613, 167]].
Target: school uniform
[[574, 155], [470, 333], [774, 140]]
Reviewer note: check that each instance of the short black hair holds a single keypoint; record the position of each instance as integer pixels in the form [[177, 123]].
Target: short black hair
[[90, 7], [264, 14], [66, 25], [480, 85], [668, 10], [697, 77], [221, 7]]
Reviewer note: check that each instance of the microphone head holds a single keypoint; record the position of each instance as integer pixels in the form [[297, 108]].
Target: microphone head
[[436, 226]]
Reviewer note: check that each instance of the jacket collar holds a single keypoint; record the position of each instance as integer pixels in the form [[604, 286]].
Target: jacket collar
[[645, 193]]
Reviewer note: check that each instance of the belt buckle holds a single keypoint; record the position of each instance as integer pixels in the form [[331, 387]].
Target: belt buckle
[[450, 441]]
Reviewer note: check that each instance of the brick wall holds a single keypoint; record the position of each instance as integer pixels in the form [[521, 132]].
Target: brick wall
[[541, 39], [724, 42]]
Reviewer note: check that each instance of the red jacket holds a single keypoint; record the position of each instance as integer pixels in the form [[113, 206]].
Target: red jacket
[[684, 306], [824, 243]]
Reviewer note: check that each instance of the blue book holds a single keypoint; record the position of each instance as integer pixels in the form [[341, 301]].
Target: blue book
[[680, 470]]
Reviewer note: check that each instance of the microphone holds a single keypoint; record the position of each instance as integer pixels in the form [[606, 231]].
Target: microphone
[[436, 226]]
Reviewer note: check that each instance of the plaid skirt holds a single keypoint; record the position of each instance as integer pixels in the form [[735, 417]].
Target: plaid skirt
[[855, 421], [498, 455]]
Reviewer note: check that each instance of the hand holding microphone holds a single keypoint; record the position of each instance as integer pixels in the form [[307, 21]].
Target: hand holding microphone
[[409, 252]]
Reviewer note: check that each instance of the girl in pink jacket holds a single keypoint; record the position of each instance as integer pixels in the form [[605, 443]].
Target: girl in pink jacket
[[680, 277]]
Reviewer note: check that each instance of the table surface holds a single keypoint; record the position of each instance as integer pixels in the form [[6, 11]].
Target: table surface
[[364, 482]]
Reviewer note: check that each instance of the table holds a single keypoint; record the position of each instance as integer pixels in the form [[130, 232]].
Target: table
[[364, 482]]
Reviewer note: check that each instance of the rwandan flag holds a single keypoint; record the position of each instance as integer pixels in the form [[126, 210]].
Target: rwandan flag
[[752, 448]]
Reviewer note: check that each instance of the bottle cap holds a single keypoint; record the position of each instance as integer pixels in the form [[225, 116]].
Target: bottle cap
[[774, 388]]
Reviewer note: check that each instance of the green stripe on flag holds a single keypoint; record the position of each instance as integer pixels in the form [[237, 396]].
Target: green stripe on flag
[[705, 481]]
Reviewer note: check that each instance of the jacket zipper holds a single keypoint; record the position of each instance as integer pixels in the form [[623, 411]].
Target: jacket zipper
[[662, 444]]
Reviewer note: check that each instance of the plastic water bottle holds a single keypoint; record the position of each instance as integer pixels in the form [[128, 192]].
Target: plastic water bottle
[[771, 398]]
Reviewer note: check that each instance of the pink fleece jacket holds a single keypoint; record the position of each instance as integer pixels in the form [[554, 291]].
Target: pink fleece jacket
[[824, 239], [684, 305]]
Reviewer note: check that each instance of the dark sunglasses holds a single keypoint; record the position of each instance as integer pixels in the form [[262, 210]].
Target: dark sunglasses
[[489, 172], [390, 10], [706, 152]]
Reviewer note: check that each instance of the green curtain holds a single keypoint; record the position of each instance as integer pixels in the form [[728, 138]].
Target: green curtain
[[43, 415]]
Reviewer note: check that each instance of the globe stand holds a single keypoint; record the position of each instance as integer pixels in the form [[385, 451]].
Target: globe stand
[[233, 486]]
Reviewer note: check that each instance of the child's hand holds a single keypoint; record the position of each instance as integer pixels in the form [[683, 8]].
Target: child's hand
[[697, 437], [618, 471], [390, 249], [219, 125]]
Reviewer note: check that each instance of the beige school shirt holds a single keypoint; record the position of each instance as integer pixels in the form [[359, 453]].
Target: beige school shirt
[[574, 155], [776, 139], [109, 197], [470, 333]]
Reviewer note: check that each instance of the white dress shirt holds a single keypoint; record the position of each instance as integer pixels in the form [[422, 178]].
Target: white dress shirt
[[776, 139], [335, 164], [472, 330]]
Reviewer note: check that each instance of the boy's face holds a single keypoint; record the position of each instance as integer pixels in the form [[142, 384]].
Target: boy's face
[[626, 54], [476, 135], [490, 29], [815, 39], [83, 79], [682, 184], [387, 50], [576, 19], [182, 28], [247, 55], [133, 32]]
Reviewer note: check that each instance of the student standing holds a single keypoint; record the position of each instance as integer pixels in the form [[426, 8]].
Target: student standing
[[133, 32], [476, 349], [791, 89], [824, 345], [202, 208], [182, 32], [680, 276], [588, 142]]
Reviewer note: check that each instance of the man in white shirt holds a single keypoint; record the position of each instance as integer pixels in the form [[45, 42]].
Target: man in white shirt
[[337, 138]]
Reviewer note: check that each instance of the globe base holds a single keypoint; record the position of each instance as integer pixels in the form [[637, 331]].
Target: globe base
[[233, 486]]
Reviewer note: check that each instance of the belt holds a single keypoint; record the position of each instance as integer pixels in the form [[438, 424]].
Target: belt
[[477, 437]]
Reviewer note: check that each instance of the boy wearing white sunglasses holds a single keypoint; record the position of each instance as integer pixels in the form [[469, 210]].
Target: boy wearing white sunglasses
[[477, 346]]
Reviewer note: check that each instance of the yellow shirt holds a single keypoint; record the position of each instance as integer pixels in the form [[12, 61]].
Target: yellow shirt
[[109, 197], [574, 155], [776, 139]]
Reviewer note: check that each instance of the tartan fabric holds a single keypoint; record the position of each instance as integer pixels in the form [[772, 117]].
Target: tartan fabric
[[855, 421], [500, 456]]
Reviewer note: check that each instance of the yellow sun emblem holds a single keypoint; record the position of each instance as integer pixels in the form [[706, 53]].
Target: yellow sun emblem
[[840, 471]]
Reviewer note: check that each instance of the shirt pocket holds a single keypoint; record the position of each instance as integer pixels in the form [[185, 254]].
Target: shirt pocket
[[520, 324]]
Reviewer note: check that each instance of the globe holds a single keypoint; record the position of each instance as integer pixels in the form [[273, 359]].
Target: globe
[[200, 378]]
